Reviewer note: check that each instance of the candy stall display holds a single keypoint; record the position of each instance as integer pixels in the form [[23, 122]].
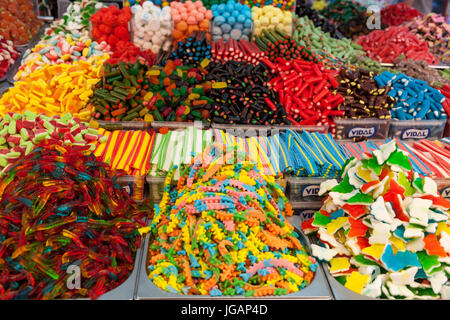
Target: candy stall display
[[224, 149]]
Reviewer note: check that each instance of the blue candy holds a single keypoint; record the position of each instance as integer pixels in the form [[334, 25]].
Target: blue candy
[[218, 20], [399, 261]]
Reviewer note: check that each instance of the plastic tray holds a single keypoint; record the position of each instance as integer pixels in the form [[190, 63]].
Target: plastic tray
[[134, 185], [156, 186], [3, 88], [302, 189], [305, 210], [62, 7], [417, 129], [127, 290], [172, 125], [443, 186], [370, 128], [317, 290], [338, 290], [123, 125], [247, 130]]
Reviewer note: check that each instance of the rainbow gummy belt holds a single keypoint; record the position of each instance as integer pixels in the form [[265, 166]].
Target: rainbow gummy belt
[[427, 158], [303, 154], [60, 207], [222, 231], [384, 230]]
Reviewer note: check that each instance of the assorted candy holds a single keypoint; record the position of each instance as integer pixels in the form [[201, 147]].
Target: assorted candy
[[222, 232], [111, 24], [414, 98], [8, 55], [53, 90], [20, 134], [386, 45], [362, 96], [241, 95], [127, 151], [306, 91], [75, 20], [268, 18], [398, 13], [123, 93], [231, 20], [61, 49], [18, 21], [189, 17], [71, 213], [236, 50], [303, 9], [152, 27], [175, 148], [192, 50], [281, 4], [419, 69], [342, 10], [383, 230], [433, 29], [178, 92]]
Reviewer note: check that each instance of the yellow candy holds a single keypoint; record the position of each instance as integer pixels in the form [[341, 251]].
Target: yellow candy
[[336, 224], [357, 281], [339, 264], [442, 226], [375, 250], [219, 85]]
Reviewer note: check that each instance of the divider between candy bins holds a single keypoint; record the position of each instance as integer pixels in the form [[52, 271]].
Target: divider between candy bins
[[278, 149]]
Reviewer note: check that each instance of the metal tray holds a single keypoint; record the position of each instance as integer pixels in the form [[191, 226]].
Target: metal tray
[[4, 87], [123, 125], [317, 290], [12, 71]]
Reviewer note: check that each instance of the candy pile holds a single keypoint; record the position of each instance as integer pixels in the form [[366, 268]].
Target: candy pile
[[426, 157], [302, 9], [250, 248], [268, 17], [61, 49], [239, 51], [8, 55], [231, 20], [18, 21], [281, 4], [71, 213], [306, 91], [189, 17], [123, 93], [111, 25], [53, 90], [241, 95], [313, 38], [126, 150], [192, 50], [19, 134], [356, 26], [398, 13], [130, 53], [433, 29], [152, 27], [178, 92], [386, 45], [175, 148], [302, 154], [342, 10], [363, 97], [414, 98], [445, 90], [75, 20], [383, 230], [419, 69], [276, 44]]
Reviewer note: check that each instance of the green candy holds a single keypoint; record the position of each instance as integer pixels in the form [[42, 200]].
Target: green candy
[[399, 159], [344, 186], [361, 198], [320, 220], [404, 182], [373, 165], [429, 262]]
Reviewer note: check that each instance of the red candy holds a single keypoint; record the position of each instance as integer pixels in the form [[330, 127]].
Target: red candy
[[8, 54], [111, 25], [305, 90], [396, 14], [386, 45]]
